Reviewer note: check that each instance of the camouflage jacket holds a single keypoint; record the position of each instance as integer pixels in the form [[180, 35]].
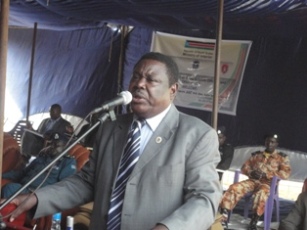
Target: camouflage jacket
[[275, 164]]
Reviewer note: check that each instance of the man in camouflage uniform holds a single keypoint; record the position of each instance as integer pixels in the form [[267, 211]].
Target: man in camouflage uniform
[[260, 169], [226, 151]]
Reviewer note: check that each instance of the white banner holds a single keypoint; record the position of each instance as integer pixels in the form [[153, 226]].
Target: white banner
[[195, 58]]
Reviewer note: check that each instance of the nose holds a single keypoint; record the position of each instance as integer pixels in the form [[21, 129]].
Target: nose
[[141, 82], [271, 144]]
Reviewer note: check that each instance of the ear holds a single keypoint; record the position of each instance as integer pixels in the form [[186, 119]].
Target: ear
[[173, 91]]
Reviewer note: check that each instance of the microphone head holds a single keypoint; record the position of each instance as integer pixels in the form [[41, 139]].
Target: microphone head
[[127, 96]]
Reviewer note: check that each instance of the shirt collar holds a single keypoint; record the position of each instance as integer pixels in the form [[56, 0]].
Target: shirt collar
[[267, 154], [55, 119], [153, 122]]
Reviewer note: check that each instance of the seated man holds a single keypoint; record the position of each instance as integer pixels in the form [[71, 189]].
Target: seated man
[[297, 218], [226, 151], [65, 167], [32, 144], [260, 169], [56, 123]]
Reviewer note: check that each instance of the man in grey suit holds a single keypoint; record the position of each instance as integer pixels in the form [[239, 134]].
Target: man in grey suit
[[56, 123], [32, 144], [174, 184], [297, 217]]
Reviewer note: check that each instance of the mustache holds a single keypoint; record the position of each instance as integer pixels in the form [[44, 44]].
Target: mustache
[[138, 93]]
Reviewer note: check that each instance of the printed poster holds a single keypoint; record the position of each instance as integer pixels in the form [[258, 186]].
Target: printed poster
[[196, 61]]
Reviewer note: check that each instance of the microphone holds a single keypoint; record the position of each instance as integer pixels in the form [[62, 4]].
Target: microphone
[[123, 98]]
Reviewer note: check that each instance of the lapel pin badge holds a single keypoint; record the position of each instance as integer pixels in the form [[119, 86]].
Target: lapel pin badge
[[158, 140]]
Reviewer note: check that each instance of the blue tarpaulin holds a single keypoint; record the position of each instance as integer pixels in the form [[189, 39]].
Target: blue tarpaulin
[[77, 57]]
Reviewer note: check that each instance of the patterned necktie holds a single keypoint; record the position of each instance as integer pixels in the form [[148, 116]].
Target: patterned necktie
[[129, 159]]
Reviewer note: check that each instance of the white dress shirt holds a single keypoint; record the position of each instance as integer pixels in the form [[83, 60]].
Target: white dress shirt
[[150, 126]]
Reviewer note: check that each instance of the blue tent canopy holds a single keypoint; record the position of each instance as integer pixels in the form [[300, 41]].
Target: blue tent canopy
[[77, 56], [247, 16]]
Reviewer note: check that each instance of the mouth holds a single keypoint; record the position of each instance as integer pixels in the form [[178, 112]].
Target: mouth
[[138, 97]]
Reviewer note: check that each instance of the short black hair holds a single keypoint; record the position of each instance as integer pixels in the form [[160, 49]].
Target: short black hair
[[171, 66], [56, 106]]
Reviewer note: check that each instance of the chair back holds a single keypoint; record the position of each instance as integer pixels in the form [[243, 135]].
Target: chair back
[[12, 159]]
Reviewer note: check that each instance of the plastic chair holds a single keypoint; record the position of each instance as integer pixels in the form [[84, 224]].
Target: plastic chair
[[272, 199], [12, 158]]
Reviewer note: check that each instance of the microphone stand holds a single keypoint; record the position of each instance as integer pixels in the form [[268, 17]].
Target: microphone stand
[[102, 118]]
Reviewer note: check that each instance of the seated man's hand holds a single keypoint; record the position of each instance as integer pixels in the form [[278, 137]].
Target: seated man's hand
[[256, 174], [69, 129], [47, 136]]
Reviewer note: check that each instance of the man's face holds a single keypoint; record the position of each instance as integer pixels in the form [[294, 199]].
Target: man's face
[[150, 88], [54, 113], [222, 138], [56, 147], [270, 144]]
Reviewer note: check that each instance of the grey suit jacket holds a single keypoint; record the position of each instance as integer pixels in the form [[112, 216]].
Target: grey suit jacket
[[59, 126], [174, 182], [297, 218]]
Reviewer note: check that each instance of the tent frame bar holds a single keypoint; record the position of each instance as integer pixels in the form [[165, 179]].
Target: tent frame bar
[[217, 69]]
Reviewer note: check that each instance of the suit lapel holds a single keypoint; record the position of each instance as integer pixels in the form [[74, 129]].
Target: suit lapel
[[159, 139], [119, 138]]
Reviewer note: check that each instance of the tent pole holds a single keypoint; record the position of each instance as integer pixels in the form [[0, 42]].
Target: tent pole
[[31, 72], [123, 31], [217, 68], [4, 18]]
